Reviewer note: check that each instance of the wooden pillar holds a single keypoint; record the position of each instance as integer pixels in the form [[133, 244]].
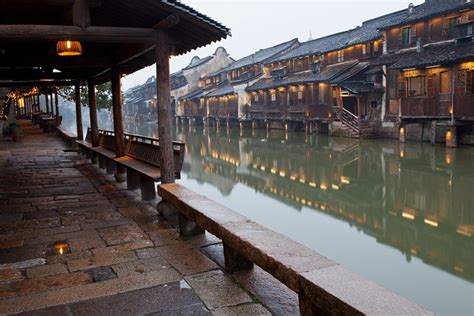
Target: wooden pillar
[[93, 114], [164, 108], [118, 122], [46, 100], [56, 101], [80, 134]]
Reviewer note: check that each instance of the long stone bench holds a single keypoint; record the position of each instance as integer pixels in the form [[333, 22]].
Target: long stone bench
[[141, 160], [323, 286]]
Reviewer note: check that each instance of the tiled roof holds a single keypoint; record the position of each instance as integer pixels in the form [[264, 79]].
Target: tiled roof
[[351, 72], [327, 74], [262, 55], [224, 88], [361, 87], [178, 82], [197, 62], [367, 32], [177, 4], [434, 54], [428, 9], [196, 94]]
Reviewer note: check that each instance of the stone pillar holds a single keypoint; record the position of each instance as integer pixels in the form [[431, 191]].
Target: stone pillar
[[163, 89], [451, 136], [77, 90], [402, 133], [189, 228], [234, 261], [118, 122]]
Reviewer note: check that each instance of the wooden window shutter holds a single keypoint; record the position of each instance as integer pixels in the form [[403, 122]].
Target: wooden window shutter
[[402, 87], [470, 82], [431, 86]]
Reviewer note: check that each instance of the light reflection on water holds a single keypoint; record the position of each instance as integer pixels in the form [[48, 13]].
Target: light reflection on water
[[400, 214]]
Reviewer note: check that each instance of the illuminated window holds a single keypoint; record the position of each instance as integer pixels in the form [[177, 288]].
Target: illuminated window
[[274, 97], [376, 47], [300, 95], [364, 49], [416, 86], [256, 98], [340, 56], [445, 82]]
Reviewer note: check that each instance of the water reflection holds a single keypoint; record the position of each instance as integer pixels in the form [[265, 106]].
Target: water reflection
[[414, 197]]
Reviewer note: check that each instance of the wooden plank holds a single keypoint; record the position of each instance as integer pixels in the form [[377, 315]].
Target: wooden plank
[[141, 167], [104, 152], [90, 34], [164, 108]]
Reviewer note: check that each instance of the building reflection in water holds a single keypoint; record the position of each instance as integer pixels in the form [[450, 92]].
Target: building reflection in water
[[413, 197]]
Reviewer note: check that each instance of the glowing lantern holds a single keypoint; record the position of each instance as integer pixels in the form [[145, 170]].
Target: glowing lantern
[[69, 48]]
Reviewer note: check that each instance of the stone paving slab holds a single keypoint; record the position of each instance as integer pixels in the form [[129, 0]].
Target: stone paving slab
[[122, 256]]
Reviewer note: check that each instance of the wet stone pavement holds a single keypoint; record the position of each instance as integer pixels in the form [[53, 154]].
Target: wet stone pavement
[[73, 241]]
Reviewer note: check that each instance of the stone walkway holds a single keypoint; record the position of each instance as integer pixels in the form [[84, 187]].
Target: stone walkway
[[74, 241]]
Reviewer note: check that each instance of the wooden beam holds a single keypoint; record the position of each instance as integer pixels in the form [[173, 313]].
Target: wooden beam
[[168, 22], [57, 62], [35, 83], [80, 14], [103, 34], [93, 113], [77, 90], [164, 109], [62, 3]]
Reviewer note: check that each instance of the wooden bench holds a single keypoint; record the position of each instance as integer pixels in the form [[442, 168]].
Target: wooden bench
[[323, 286], [142, 162]]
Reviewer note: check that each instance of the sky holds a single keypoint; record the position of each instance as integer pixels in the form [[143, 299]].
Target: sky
[[264, 23]]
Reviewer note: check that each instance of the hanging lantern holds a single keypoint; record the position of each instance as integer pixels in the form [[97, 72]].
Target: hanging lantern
[[69, 48]]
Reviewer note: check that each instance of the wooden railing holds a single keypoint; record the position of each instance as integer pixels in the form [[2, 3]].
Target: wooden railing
[[347, 118], [323, 286]]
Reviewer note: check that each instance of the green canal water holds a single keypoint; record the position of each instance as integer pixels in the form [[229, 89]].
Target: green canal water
[[401, 215]]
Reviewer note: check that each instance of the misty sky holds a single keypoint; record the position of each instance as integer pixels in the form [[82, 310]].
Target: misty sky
[[264, 23]]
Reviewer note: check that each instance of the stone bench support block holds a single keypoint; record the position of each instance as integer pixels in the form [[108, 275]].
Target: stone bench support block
[[147, 189], [234, 261], [110, 166], [188, 228], [101, 162], [133, 180]]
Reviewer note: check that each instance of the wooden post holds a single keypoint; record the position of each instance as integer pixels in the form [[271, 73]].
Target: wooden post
[[80, 135], [118, 122], [93, 113], [46, 100], [164, 108], [57, 108]]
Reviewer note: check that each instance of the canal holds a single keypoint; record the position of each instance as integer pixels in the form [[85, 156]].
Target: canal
[[402, 215]]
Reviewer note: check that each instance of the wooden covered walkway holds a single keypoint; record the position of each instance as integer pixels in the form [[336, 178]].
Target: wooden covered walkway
[[74, 241]]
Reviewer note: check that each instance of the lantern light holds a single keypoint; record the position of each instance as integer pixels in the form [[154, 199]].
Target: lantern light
[[69, 48]]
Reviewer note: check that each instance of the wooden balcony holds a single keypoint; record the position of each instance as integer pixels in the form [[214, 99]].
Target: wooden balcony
[[319, 111], [423, 107], [464, 106]]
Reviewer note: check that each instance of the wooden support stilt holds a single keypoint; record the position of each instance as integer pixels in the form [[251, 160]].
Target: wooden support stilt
[[80, 134], [118, 122], [164, 108]]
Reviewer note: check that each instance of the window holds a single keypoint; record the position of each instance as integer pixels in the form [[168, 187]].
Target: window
[[416, 86], [256, 98], [406, 36], [340, 56], [274, 97], [364, 49], [470, 82], [445, 83], [376, 47], [470, 30], [300, 95]]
